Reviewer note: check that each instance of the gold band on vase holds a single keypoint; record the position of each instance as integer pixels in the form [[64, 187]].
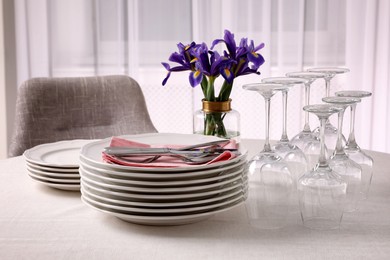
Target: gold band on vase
[[216, 106]]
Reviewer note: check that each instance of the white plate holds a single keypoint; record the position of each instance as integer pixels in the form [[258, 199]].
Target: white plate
[[158, 211], [113, 200], [62, 186], [163, 197], [92, 153], [163, 220], [52, 169], [53, 180], [177, 176], [112, 179], [64, 154], [54, 174], [164, 190]]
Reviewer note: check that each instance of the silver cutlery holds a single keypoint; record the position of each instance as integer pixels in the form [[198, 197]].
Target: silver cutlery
[[186, 159], [211, 148], [193, 154]]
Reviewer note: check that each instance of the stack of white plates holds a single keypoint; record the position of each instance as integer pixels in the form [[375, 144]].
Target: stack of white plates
[[161, 196], [56, 164]]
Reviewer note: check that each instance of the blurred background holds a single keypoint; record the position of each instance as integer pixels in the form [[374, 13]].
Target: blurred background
[[58, 38]]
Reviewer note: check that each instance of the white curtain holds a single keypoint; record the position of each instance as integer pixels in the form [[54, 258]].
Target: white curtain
[[59, 38], [368, 57]]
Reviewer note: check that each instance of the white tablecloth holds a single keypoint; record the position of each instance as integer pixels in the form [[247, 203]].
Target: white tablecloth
[[38, 222]]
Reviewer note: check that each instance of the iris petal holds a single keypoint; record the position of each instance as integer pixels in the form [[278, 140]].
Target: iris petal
[[195, 77], [230, 43], [256, 58], [166, 78], [215, 42], [180, 68], [176, 57], [261, 46], [227, 75], [166, 65]]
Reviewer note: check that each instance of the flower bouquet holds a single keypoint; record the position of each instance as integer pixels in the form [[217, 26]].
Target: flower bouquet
[[206, 65]]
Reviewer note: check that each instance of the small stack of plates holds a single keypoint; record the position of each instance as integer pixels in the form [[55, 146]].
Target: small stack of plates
[[161, 196], [56, 164]]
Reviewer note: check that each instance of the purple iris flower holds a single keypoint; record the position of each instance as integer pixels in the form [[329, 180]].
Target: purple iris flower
[[183, 58], [254, 57], [228, 39], [196, 76], [206, 64], [211, 64]]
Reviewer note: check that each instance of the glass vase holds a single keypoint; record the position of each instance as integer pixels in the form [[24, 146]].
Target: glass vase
[[217, 119]]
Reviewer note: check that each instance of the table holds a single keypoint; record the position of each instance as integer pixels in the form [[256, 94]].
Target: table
[[38, 222]]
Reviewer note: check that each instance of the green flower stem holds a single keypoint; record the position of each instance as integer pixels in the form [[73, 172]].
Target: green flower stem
[[204, 85], [214, 124], [226, 89], [210, 95]]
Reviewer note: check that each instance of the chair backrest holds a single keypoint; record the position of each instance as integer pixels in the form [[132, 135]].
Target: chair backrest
[[54, 109]]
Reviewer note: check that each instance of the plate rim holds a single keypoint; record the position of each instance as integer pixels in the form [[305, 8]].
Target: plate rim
[[170, 190], [163, 204], [54, 146], [54, 180], [161, 197], [54, 175], [68, 187], [165, 183], [151, 175], [184, 210], [165, 221]]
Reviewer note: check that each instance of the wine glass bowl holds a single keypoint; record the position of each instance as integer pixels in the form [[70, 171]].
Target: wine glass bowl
[[352, 149], [349, 170], [330, 131], [322, 191], [305, 136], [292, 154], [270, 181]]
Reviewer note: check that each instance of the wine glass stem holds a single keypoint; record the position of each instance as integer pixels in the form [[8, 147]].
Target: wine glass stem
[[339, 145], [327, 90], [351, 139], [284, 137], [267, 146], [322, 160], [306, 128], [327, 86]]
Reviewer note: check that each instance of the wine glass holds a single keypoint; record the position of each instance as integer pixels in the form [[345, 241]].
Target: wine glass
[[270, 181], [291, 153], [330, 130], [305, 136], [352, 148], [322, 191], [349, 170]]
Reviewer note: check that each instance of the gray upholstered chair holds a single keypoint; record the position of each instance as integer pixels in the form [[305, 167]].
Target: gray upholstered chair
[[54, 109]]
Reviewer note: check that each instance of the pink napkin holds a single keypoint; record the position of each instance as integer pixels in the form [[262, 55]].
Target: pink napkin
[[163, 161]]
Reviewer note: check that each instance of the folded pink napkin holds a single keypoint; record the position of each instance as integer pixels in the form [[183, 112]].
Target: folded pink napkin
[[163, 161]]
